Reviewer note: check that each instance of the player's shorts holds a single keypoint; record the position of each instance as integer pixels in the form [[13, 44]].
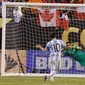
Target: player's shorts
[[54, 58]]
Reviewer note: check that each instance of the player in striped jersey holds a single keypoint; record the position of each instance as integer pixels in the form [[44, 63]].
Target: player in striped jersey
[[54, 46]]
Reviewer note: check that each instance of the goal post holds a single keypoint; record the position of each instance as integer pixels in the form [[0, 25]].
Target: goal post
[[25, 25], [3, 39]]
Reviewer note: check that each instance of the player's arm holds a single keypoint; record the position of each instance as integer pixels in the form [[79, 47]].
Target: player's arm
[[64, 52], [62, 44], [40, 47]]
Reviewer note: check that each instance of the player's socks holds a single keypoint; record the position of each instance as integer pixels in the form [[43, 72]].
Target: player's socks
[[52, 79]]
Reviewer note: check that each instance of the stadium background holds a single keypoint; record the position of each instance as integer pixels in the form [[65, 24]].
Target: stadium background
[[27, 34], [28, 24], [32, 80]]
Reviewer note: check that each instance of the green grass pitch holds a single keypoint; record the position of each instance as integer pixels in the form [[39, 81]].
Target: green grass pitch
[[26, 80]]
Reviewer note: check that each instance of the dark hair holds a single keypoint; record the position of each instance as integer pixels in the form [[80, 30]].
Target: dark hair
[[52, 35], [67, 42]]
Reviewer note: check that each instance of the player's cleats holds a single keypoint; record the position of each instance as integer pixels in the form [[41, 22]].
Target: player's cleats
[[45, 78]]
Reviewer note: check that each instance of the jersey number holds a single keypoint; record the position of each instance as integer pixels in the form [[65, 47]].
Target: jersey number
[[56, 47]]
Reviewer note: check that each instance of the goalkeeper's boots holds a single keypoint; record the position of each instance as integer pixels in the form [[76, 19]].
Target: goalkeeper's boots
[[45, 78]]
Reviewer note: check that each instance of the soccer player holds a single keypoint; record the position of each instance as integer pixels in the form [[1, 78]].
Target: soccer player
[[54, 46], [75, 53]]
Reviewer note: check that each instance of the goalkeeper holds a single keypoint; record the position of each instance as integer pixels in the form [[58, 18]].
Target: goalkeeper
[[75, 53]]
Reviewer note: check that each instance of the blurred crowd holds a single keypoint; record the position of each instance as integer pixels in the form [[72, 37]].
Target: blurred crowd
[[47, 1], [79, 11]]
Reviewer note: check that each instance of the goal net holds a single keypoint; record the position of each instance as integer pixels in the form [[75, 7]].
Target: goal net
[[28, 24]]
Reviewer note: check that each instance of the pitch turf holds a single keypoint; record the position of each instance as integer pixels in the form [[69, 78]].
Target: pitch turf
[[21, 80]]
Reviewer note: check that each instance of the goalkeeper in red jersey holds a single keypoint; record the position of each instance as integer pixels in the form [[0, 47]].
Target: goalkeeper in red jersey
[[75, 53]]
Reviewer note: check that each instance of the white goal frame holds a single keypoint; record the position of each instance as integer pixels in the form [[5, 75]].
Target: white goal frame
[[4, 4]]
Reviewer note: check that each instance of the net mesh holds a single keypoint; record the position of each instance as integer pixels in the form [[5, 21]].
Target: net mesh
[[21, 38]]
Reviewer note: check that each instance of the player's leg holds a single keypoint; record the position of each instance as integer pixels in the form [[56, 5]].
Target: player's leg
[[52, 73], [55, 65], [50, 62], [58, 65], [52, 70], [58, 62]]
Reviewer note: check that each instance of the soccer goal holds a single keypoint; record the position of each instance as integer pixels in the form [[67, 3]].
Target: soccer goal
[[25, 25]]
